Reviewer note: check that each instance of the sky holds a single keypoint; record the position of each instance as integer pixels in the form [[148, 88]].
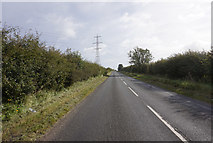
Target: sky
[[163, 27]]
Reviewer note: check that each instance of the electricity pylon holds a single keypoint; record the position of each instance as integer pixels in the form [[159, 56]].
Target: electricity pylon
[[97, 60]]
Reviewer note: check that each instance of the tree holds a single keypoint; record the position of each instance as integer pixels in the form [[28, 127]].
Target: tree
[[139, 56], [120, 66]]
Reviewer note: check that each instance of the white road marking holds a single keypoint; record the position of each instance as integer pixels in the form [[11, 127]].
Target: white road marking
[[169, 93], [168, 125], [133, 91], [124, 82]]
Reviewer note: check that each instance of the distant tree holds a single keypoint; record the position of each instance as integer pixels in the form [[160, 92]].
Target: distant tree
[[139, 56], [120, 66]]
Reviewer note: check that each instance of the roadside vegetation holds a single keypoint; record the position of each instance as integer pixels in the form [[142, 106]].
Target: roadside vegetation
[[29, 66], [46, 107], [186, 73], [40, 83], [196, 90]]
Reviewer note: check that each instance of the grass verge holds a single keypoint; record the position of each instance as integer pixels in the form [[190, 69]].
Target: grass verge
[[199, 91], [26, 125]]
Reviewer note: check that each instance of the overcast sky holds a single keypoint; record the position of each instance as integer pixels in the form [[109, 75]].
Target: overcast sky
[[163, 27]]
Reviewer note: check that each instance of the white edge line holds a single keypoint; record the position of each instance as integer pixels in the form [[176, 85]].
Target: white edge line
[[124, 82], [168, 125], [133, 91]]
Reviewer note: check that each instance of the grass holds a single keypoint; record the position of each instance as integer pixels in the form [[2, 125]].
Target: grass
[[196, 90], [25, 125]]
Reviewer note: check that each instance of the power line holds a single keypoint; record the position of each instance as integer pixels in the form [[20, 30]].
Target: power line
[[97, 60]]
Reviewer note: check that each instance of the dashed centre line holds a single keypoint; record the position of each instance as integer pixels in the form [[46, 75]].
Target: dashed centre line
[[168, 125], [133, 91], [161, 119], [130, 88], [156, 114]]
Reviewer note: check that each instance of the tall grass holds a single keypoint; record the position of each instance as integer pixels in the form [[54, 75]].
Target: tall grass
[[19, 123]]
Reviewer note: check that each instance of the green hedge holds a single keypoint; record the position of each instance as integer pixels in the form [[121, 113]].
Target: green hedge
[[28, 66], [191, 65]]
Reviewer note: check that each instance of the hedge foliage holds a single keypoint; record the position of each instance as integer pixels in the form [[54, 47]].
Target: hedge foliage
[[191, 65], [29, 65]]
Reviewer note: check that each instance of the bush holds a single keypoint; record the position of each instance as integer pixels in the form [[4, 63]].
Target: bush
[[191, 65], [29, 66]]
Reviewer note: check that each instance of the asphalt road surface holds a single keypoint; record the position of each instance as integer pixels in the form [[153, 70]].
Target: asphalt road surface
[[126, 109]]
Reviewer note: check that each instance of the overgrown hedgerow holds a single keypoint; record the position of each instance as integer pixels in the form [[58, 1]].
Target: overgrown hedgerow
[[29, 66], [191, 65]]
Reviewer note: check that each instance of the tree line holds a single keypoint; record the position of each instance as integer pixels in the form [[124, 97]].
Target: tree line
[[190, 65], [28, 66]]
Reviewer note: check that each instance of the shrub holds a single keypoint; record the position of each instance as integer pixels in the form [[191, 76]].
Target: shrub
[[29, 65], [191, 65]]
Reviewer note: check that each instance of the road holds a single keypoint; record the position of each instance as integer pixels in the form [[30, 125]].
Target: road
[[126, 109]]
